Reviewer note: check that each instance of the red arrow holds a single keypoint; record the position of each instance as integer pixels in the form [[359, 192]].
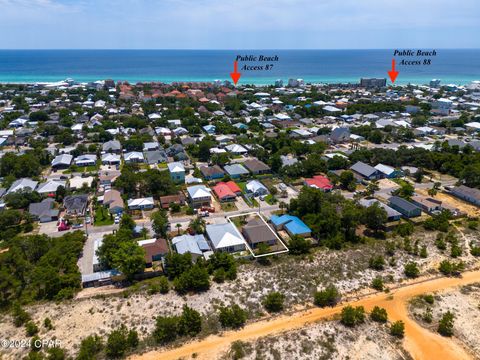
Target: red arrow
[[235, 75], [393, 74]]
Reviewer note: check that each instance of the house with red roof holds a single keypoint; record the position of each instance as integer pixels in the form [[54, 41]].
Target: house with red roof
[[319, 182], [234, 187], [223, 192]]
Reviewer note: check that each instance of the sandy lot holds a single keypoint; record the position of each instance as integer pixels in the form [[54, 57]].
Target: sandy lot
[[419, 342], [296, 277], [464, 303]]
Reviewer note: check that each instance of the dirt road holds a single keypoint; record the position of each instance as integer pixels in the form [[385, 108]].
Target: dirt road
[[419, 342]]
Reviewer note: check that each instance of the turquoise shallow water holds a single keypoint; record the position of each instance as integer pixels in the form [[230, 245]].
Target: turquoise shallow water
[[330, 66]]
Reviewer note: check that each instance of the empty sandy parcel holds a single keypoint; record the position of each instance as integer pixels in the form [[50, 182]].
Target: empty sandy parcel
[[419, 342]]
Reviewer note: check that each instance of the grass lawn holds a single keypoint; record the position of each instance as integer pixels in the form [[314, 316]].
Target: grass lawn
[[242, 185], [270, 199], [102, 216], [228, 206]]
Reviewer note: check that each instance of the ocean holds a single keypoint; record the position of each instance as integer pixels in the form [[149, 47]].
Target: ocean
[[327, 66]]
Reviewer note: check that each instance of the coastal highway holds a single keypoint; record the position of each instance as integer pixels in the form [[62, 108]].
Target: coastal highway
[[419, 342]]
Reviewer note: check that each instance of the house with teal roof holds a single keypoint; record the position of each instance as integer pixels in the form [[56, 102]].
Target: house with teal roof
[[293, 225]]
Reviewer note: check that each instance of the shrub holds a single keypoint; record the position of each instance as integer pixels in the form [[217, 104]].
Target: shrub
[[455, 251], [20, 316], [352, 316], [233, 317], [328, 297], [377, 262], [116, 343], [273, 302], [427, 316], [90, 347], [424, 252], [397, 329], [47, 323], [165, 329], [475, 251], [448, 268], [163, 284], [298, 245], [31, 328], [377, 283], [219, 275], [411, 270], [405, 229], [190, 323], [429, 299], [445, 326], [379, 314]]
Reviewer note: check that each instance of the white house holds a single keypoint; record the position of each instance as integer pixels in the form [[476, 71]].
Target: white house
[[256, 188], [141, 203], [199, 195], [225, 237]]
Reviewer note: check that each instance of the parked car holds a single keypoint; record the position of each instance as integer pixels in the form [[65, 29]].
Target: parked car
[[63, 226]]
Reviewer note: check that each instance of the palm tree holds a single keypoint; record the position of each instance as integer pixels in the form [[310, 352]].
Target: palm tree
[[197, 225], [144, 232], [282, 206], [178, 228]]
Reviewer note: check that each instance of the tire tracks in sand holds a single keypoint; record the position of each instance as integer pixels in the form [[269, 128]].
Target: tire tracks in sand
[[419, 342]]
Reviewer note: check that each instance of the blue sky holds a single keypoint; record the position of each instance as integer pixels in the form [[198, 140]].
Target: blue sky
[[239, 24]]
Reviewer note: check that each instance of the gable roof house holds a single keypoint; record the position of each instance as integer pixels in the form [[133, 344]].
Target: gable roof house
[[223, 192], [199, 195], [256, 188], [111, 159], [155, 250], [166, 200], [156, 157], [196, 245], [23, 184], [234, 187], [50, 187], [225, 237], [141, 203], [75, 204], [177, 172], [340, 134], [86, 160], [62, 161], [256, 232], [405, 207], [236, 149], [392, 214], [319, 182], [43, 211], [212, 172], [134, 157], [112, 146], [112, 199], [291, 224], [468, 194], [366, 171], [388, 171], [235, 170], [256, 166]]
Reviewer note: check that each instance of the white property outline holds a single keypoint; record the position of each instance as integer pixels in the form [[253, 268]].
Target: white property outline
[[246, 242]]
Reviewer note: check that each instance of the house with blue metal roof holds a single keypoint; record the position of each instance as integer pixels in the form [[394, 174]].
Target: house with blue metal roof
[[196, 245], [293, 225], [235, 170]]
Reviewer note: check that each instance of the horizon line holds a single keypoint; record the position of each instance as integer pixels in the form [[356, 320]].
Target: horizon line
[[231, 49]]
